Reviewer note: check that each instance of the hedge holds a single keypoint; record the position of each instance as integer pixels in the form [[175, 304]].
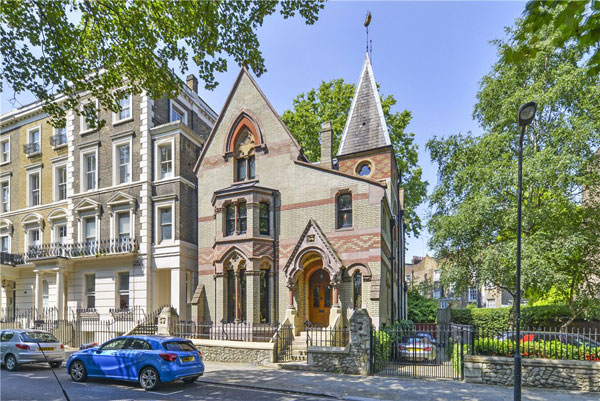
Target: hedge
[[499, 318], [552, 349]]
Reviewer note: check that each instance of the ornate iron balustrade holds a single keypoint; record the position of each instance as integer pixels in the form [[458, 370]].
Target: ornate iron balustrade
[[58, 140], [12, 258], [31, 148], [82, 249]]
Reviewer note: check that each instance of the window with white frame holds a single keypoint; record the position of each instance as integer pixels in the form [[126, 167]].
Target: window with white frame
[[33, 237], [86, 124], [164, 223], [122, 161], [60, 179], [60, 136], [5, 150], [123, 226], [164, 160], [90, 291], [490, 303], [33, 135], [123, 290], [34, 189], [60, 233], [4, 243], [89, 229], [178, 113], [472, 294], [5, 194], [89, 176], [125, 112]]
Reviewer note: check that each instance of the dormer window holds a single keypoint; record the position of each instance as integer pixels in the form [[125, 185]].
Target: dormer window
[[245, 165]]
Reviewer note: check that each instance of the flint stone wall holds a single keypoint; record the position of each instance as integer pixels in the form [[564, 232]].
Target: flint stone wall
[[536, 372], [236, 351], [351, 359]]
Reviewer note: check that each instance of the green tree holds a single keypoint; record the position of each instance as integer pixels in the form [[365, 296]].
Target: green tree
[[331, 102], [473, 222], [575, 22], [420, 308], [72, 47]]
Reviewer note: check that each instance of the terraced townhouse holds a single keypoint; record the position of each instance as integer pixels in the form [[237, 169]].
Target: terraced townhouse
[[95, 221]]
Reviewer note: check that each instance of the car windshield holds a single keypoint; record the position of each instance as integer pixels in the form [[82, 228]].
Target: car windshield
[[412, 340], [38, 336], [179, 346]]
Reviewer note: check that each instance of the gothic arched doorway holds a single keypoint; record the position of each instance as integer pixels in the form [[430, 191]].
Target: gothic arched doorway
[[320, 297]]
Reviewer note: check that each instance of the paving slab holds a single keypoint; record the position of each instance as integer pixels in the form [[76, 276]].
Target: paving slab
[[361, 388]]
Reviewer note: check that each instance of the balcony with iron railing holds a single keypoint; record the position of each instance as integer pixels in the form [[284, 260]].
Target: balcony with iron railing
[[112, 246], [58, 140], [31, 148]]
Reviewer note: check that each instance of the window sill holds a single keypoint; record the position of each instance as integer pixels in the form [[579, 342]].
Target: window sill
[[123, 121], [87, 132], [62, 145], [30, 155], [5, 163], [345, 229]]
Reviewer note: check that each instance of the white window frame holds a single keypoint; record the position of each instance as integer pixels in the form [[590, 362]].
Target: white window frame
[[2, 181], [2, 142], [116, 166], [55, 188], [116, 115], [157, 226], [179, 109], [55, 231], [29, 130], [29, 199], [83, 123], [81, 226], [118, 290], [157, 145], [9, 237], [55, 131], [83, 172], [115, 222], [472, 298], [489, 304], [27, 234], [86, 294]]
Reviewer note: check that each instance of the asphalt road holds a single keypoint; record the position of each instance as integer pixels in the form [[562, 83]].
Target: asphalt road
[[36, 382]]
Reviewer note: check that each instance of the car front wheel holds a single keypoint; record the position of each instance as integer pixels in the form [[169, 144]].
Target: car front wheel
[[78, 372], [149, 379], [11, 362], [189, 380], [56, 364]]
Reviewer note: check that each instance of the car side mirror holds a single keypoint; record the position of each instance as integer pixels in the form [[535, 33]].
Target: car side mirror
[[97, 350]]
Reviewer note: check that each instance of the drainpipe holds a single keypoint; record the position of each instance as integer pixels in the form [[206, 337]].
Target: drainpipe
[[274, 318]]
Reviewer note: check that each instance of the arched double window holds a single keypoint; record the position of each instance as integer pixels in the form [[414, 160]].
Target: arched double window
[[245, 164], [344, 210]]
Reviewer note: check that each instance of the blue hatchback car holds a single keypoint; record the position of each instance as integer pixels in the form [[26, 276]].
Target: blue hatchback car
[[149, 360]]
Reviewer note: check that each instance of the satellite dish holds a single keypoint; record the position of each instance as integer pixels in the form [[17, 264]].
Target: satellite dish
[[368, 19]]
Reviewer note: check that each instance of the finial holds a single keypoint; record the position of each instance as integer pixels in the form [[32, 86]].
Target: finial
[[367, 22]]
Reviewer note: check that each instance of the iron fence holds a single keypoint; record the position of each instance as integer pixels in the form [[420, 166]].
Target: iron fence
[[12, 258], [326, 337], [31, 148], [224, 331], [550, 343], [283, 338]]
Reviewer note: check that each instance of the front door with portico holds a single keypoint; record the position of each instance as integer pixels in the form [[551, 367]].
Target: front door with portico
[[319, 297]]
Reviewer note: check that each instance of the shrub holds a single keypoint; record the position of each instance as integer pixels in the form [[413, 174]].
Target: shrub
[[382, 343], [420, 308], [552, 349], [457, 356]]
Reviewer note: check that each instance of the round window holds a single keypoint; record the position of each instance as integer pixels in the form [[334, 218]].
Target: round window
[[364, 169]]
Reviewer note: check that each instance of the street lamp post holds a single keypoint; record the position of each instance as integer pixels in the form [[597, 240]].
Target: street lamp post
[[526, 115]]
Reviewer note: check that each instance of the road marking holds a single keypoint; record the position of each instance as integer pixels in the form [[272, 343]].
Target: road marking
[[174, 392]]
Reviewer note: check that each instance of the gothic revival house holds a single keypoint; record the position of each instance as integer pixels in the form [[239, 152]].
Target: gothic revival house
[[282, 239]]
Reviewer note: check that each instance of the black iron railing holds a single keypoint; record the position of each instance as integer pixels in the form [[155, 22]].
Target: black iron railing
[[58, 140], [326, 337], [224, 331], [31, 148], [82, 249], [283, 338], [12, 258]]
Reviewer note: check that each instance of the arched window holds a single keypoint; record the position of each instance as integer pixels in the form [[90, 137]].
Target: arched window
[[264, 218], [229, 219], [242, 218], [344, 211], [244, 157], [357, 290]]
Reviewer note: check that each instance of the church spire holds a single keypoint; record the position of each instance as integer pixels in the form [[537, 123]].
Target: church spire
[[365, 127]]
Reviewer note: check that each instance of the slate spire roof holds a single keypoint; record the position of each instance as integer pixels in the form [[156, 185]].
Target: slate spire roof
[[365, 127]]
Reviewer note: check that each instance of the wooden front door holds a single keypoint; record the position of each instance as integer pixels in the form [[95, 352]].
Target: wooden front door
[[319, 298]]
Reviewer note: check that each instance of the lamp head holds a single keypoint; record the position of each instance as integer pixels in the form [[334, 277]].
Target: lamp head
[[527, 113]]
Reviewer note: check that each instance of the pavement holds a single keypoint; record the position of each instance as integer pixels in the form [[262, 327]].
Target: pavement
[[361, 388]]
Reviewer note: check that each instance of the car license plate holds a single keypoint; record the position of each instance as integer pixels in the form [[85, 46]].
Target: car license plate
[[188, 358], [47, 349], [415, 349]]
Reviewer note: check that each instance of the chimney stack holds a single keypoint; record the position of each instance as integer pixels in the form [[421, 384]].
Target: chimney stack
[[326, 144], [192, 82]]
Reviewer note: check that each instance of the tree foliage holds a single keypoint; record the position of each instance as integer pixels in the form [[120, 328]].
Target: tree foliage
[[420, 308], [331, 101], [473, 223], [574, 22], [73, 47]]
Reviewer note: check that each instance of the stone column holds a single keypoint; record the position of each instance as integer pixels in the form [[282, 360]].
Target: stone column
[[59, 293], [178, 292], [38, 295], [220, 299]]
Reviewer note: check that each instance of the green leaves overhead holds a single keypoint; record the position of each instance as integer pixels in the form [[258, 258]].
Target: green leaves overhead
[[331, 101], [93, 46], [473, 222]]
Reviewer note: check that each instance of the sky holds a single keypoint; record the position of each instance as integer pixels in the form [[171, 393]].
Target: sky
[[429, 55]]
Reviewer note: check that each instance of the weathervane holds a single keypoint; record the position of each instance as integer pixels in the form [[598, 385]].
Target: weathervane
[[369, 43]]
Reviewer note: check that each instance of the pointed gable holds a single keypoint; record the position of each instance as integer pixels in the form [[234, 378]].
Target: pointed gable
[[365, 127]]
